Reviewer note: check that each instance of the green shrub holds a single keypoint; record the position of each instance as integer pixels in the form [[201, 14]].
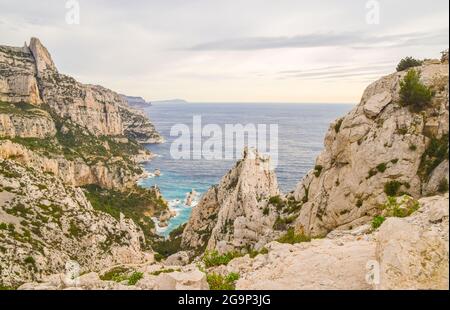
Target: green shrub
[[338, 125], [134, 203], [435, 153], [443, 186], [359, 203], [266, 211], [400, 206], [391, 188], [117, 274], [377, 221], [318, 170], [218, 282], [291, 237], [158, 272], [381, 167], [29, 260], [254, 253], [407, 63], [275, 200], [135, 277], [213, 258], [413, 92], [413, 147], [372, 172]]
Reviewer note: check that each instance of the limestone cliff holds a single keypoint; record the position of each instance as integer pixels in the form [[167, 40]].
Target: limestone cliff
[[231, 214], [29, 75], [45, 223], [138, 127], [57, 135], [381, 148]]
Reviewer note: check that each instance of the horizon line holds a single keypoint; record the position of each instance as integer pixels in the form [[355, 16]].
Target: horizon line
[[162, 102]]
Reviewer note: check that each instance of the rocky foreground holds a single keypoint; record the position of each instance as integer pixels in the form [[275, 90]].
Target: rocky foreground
[[409, 253]]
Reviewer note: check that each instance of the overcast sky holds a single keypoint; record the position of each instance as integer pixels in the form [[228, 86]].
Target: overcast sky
[[230, 51]]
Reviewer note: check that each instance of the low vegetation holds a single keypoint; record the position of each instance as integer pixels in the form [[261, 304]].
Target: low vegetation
[[135, 277], [213, 258], [122, 274], [400, 206], [338, 125], [377, 221], [168, 270], [443, 186], [291, 237], [253, 253], [392, 188], [222, 283], [318, 170], [436, 152], [414, 93], [169, 246], [137, 204], [117, 274], [408, 62]]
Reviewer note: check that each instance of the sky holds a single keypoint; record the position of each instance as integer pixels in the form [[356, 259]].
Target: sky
[[289, 51]]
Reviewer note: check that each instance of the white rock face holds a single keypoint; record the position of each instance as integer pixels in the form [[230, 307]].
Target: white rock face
[[18, 83], [378, 142], [230, 215], [408, 253], [72, 172], [413, 252], [34, 124], [321, 264], [50, 223], [377, 103], [178, 259], [189, 278], [29, 75]]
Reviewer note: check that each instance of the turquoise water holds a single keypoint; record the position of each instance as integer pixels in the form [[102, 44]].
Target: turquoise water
[[302, 129]]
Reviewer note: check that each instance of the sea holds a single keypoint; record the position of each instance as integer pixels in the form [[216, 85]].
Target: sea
[[301, 132]]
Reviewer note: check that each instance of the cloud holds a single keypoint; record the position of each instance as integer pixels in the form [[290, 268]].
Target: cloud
[[350, 39], [337, 72]]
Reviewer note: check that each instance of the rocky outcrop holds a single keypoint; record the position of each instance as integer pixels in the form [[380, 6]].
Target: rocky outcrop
[[45, 223], [150, 277], [438, 180], [379, 147], [136, 102], [230, 215], [18, 81], [413, 252], [138, 127], [29, 75], [72, 172], [32, 123], [408, 253]]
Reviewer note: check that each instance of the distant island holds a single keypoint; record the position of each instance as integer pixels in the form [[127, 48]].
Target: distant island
[[172, 101], [136, 102]]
